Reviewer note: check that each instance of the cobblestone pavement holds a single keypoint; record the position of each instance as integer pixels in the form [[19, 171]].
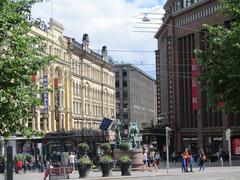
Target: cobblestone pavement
[[211, 173]]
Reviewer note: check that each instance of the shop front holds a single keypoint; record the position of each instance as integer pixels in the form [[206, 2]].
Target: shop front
[[213, 144], [190, 143]]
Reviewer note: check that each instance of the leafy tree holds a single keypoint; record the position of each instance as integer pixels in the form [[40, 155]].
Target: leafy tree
[[21, 56], [220, 61]]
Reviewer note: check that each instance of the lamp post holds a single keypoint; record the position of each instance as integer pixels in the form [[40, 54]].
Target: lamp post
[[168, 129], [228, 138]]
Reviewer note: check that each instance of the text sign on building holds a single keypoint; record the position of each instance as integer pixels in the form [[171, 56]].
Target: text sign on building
[[45, 95], [105, 124], [194, 85]]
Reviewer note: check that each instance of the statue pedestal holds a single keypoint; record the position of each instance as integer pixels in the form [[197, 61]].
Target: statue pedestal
[[135, 154]]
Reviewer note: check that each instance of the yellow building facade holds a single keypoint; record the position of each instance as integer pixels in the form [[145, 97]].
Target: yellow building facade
[[93, 82], [56, 112], [82, 85]]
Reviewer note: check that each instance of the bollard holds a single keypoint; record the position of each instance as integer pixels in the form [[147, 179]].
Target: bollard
[[8, 163]]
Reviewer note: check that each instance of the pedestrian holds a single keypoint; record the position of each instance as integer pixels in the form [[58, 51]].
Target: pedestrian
[[151, 157], [183, 163], [157, 161], [202, 159], [48, 167], [186, 157], [192, 162], [20, 167], [145, 160], [72, 161]]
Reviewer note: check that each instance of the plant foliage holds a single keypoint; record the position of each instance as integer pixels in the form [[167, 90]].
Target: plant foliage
[[124, 159], [84, 161], [106, 148], [21, 56], [83, 148], [220, 61], [106, 159], [124, 146]]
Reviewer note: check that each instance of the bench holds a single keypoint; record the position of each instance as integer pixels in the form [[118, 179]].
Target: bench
[[60, 172]]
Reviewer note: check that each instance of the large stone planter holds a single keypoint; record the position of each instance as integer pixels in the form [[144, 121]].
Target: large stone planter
[[84, 170], [126, 168], [134, 154], [106, 168]]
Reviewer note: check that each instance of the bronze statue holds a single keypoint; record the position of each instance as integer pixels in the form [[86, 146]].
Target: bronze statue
[[132, 134], [118, 130]]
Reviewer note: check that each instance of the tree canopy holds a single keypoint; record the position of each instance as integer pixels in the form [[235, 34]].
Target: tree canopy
[[220, 60], [21, 56]]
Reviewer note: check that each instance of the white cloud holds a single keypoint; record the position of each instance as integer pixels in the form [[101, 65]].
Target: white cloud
[[110, 23]]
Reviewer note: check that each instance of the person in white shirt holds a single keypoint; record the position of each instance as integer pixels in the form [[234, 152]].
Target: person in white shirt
[[72, 160], [145, 160]]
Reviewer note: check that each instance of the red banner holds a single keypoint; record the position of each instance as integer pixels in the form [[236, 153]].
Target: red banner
[[236, 146], [194, 85]]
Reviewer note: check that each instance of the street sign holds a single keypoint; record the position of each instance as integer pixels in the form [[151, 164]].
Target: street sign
[[105, 124]]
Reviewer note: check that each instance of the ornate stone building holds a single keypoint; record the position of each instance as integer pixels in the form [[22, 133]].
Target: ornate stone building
[[56, 112], [82, 85], [93, 87]]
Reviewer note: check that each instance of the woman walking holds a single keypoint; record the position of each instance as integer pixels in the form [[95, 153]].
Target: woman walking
[[145, 160], [202, 159]]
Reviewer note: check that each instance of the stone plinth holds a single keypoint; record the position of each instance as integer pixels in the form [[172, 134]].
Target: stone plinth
[[134, 154]]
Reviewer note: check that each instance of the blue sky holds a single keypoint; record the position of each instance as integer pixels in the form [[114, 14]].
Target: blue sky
[[111, 23]]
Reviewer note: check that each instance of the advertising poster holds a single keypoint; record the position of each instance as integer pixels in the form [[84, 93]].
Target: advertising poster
[[236, 146]]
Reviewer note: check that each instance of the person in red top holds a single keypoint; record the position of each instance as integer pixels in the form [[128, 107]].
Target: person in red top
[[186, 156], [19, 167]]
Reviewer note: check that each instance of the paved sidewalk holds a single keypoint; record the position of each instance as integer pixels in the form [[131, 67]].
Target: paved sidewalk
[[215, 173]]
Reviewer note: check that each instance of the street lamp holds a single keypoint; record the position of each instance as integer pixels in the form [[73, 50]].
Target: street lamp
[[146, 18], [168, 129]]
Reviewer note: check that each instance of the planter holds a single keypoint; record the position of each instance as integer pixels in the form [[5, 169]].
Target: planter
[[83, 170], [134, 154], [126, 168], [106, 168]]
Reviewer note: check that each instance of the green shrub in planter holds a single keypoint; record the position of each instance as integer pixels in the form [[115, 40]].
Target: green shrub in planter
[[124, 159], [125, 165], [124, 146], [106, 148], [83, 148], [106, 159], [84, 166], [18, 157], [28, 158], [106, 163]]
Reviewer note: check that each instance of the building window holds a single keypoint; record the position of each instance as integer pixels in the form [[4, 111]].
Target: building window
[[189, 2]]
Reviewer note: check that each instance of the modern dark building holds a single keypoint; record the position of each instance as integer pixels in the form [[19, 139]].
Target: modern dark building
[[179, 95], [135, 96]]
